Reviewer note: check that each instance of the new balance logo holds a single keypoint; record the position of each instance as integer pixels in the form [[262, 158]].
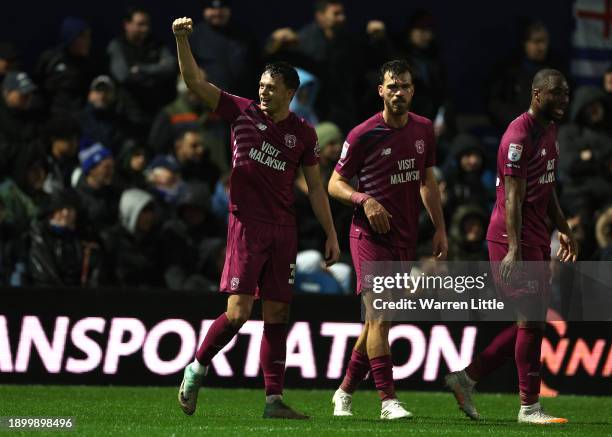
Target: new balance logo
[[261, 126], [385, 151]]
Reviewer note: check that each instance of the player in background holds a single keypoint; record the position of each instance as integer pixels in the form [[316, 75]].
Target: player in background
[[392, 154], [268, 144], [518, 231]]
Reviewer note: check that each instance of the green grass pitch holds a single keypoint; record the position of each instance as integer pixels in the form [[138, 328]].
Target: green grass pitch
[[149, 411]]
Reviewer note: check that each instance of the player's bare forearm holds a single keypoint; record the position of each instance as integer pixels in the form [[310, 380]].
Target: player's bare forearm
[[320, 206], [340, 189], [318, 198], [430, 194], [555, 213], [515, 194], [192, 75], [189, 67]]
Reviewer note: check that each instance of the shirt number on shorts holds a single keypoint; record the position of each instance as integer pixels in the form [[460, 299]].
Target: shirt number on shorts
[[292, 274]]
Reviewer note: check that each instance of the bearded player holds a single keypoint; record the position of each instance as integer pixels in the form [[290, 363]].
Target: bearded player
[[392, 154], [268, 144], [518, 231]]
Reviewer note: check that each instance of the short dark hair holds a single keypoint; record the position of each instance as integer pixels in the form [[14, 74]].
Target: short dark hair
[[321, 5], [533, 27], [133, 10], [543, 76], [284, 70], [395, 68], [608, 70]]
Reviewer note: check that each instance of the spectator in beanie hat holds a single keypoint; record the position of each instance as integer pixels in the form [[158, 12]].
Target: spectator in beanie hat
[[94, 185], [164, 177], [92, 156], [330, 141]]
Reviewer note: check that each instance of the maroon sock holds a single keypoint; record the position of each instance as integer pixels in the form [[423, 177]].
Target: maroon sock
[[500, 350], [527, 356], [272, 356], [382, 372], [219, 334], [358, 368]]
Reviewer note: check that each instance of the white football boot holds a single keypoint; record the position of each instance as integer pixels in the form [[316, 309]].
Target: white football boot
[[462, 387], [535, 414], [188, 392], [392, 409], [343, 403]]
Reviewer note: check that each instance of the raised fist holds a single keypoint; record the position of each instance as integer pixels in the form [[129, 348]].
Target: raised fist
[[182, 26]]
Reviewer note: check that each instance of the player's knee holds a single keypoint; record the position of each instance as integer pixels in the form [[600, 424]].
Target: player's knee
[[378, 325], [275, 313], [239, 309], [279, 316], [238, 316], [378, 329]]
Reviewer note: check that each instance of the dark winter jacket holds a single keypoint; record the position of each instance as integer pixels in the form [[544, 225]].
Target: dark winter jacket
[[137, 259], [65, 79], [59, 257]]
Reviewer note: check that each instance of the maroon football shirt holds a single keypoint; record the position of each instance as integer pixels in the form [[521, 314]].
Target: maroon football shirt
[[265, 157], [390, 166], [530, 152]]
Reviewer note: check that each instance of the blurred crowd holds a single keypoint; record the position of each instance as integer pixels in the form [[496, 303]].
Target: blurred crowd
[[112, 173]]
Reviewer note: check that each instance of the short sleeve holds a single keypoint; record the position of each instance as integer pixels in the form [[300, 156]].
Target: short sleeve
[[231, 106], [512, 156], [351, 157], [311, 147]]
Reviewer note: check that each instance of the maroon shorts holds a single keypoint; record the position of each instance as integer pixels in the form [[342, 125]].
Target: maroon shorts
[[364, 249], [259, 259], [530, 292]]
